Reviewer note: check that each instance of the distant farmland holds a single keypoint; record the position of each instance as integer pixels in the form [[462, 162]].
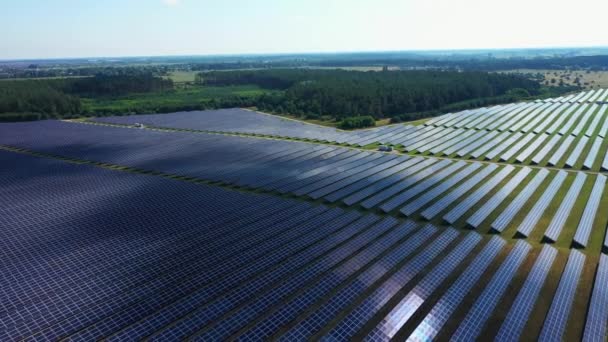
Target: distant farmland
[[483, 224]]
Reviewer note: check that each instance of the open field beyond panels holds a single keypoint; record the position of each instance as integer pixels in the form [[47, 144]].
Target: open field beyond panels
[[484, 224]]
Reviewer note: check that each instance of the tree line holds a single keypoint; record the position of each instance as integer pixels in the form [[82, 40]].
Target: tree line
[[340, 94], [22, 100]]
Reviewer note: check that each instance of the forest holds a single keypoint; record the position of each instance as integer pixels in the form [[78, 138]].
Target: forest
[[312, 93], [329, 95]]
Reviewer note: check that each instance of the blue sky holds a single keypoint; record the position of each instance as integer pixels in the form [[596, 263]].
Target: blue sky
[[87, 28]]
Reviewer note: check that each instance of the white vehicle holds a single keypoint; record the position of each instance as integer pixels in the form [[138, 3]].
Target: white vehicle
[[139, 125]]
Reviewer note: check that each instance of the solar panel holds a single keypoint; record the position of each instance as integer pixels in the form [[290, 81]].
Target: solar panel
[[584, 120], [531, 220], [597, 318], [355, 176], [505, 218], [471, 325], [339, 173], [513, 120], [605, 162], [464, 142], [603, 132], [577, 152], [587, 96], [555, 114], [563, 147], [356, 254], [449, 133], [466, 204], [401, 164], [592, 154], [488, 145], [527, 118], [458, 138], [540, 117], [476, 143], [507, 116], [415, 165], [430, 195], [538, 157], [434, 321], [421, 144], [451, 197], [405, 309], [586, 223], [311, 324], [555, 322], [573, 119], [563, 212], [513, 325], [531, 148], [480, 215], [498, 149], [421, 187], [402, 185], [595, 122], [561, 118]]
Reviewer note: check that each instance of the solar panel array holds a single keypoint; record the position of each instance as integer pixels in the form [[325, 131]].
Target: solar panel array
[[520, 311], [107, 234], [557, 317], [597, 318], [390, 182], [471, 325], [527, 132]]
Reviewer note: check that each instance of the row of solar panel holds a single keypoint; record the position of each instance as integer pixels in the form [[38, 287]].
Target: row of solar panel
[[462, 142], [387, 181], [525, 117], [176, 260]]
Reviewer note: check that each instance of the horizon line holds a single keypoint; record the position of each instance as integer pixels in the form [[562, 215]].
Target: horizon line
[[343, 52]]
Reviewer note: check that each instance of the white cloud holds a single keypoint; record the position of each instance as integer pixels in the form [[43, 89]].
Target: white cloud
[[171, 3]]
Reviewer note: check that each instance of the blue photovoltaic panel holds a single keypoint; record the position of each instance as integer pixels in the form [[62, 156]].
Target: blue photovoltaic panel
[[432, 324], [563, 147], [471, 326], [592, 154], [466, 204], [498, 149], [563, 212], [486, 209], [560, 119], [518, 146], [597, 318], [416, 164], [271, 322], [430, 195], [537, 211], [490, 144], [572, 120], [577, 152], [538, 157], [270, 295], [404, 310], [513, 325], [584, 120], [595, 122], [555, 322], [586, 223], [421, 187], [451, 197], [505, 218], [531, 148], [404, 184], [330, 308]]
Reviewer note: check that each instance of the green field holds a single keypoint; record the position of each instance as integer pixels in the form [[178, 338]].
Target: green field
[[178, 98]]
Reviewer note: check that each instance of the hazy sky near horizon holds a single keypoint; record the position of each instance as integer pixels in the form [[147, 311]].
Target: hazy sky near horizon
[[87, 28]]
